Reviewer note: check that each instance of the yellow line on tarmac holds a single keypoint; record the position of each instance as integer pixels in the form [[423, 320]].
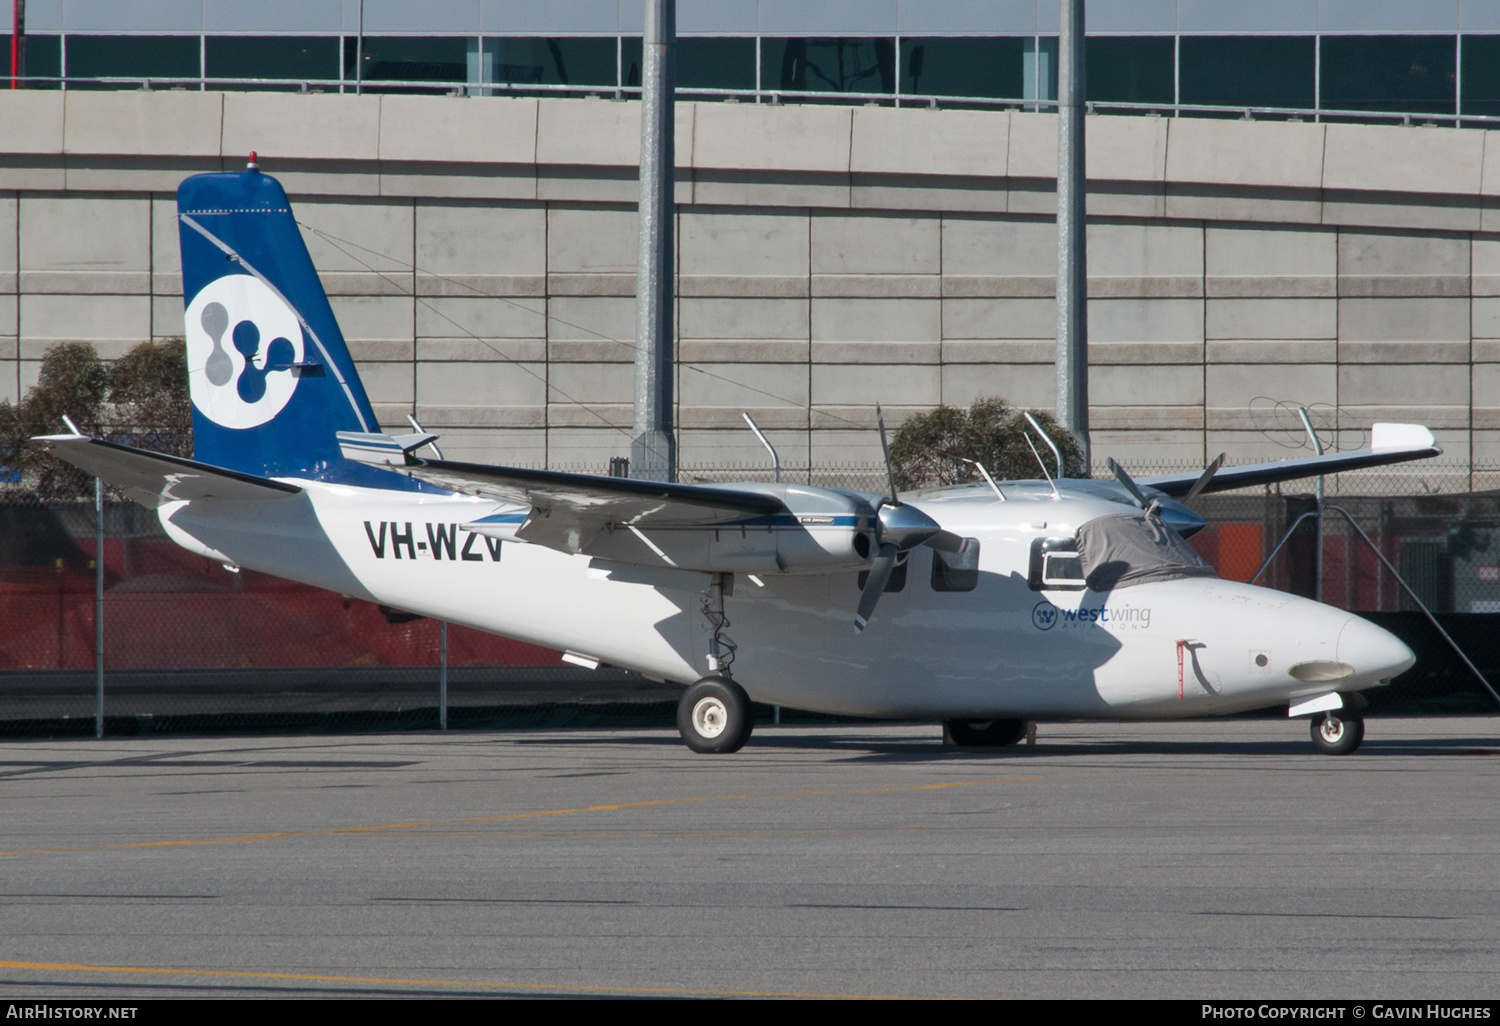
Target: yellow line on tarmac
[[481, 984], [248, 838]]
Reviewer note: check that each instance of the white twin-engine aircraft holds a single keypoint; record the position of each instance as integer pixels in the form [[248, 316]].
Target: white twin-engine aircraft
[[997, 603]]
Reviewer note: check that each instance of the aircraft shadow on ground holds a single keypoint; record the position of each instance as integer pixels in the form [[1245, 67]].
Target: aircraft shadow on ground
[[866, 748]]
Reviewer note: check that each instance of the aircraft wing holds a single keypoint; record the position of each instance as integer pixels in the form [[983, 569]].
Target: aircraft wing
[[1389, 443], [154, 478], [569, 509]]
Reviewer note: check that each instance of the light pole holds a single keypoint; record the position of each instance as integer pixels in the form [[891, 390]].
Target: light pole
[[653, 447]]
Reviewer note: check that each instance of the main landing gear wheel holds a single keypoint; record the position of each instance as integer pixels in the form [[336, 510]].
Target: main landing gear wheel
[[714, 716], [984, 733], [1337, 735]]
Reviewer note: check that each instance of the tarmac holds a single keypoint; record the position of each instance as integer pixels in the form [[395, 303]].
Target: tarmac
[[1194, 860]]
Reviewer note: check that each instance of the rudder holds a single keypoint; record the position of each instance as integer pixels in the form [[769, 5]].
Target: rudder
[[271, 378]]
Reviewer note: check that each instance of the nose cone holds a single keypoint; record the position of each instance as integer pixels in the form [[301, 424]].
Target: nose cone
[[1376, 654]]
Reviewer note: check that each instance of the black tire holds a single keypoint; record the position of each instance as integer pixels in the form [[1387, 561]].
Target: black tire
[[1337, 735], [984, 733], [714, 716]]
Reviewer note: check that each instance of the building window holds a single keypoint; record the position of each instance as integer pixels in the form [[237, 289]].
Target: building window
[[1249, 71], [993, 67], [1130, 69], [828, 65], [131, 57], [1039, 68], [437, 59], [707, 63], [294, 58], [1406, 74], [1481, 85], [580, 61], [42, 59]]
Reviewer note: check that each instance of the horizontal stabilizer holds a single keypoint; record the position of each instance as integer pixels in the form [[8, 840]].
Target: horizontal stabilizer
[[1389, 443], [154, 478], [568, 509], [379, 449]]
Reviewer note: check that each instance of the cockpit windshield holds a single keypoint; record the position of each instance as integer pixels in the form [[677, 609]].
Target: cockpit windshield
[[1131, 548]]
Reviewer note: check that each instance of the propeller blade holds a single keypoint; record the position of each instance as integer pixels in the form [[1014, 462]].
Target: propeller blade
[[1129, 483], [890, 471], [1202, 482], [880, 573], [945, 541]]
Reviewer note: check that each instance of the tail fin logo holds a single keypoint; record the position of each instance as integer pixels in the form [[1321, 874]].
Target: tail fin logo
[[242, 344]]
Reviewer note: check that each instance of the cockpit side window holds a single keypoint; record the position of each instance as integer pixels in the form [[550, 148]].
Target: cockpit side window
[[956, 571], [1055, 565]]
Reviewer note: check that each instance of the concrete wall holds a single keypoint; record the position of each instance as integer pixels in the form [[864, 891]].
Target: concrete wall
[[829, 257]]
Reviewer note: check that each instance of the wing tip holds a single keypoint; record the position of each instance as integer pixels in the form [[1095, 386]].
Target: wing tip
[[1386, 437]]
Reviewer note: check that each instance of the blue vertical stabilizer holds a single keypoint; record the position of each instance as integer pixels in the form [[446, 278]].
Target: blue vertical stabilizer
[[271, 378]]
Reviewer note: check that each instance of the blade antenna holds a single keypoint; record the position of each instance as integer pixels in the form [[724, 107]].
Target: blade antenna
[[1032, 446], [1056, 453], [775, 459], [988, 480], [890, 471]]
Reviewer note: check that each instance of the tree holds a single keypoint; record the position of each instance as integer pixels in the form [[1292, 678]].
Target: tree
[[73, 382], [143, 398], [149, 395], [929, 450]]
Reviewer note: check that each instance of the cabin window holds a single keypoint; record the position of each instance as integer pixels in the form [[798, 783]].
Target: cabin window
[[956, 571], [1055, 565], [897, 580]]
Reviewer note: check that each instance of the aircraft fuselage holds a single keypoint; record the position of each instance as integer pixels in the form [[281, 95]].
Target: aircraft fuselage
[[1004, 648]]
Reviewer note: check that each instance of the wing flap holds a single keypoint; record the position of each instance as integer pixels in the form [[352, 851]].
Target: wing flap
[[575, 505], [154, 478], [1390, 443]]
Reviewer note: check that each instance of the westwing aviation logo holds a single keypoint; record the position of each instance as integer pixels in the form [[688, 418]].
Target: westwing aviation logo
[[242, 343], [1045, 616]]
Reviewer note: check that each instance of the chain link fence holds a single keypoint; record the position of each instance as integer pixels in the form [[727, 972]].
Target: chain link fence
[[190, 646]]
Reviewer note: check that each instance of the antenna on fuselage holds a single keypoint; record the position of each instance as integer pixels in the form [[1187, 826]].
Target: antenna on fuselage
[[1050, 483], [1056, 452], [775, 459], [988, 480]]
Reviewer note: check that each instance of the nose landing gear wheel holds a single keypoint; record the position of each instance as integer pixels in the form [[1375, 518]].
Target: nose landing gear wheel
[[714, 716], [984, 733], [1337, 735]]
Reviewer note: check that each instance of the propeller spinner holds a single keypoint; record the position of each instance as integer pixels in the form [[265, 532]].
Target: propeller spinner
[[1175, 513]]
